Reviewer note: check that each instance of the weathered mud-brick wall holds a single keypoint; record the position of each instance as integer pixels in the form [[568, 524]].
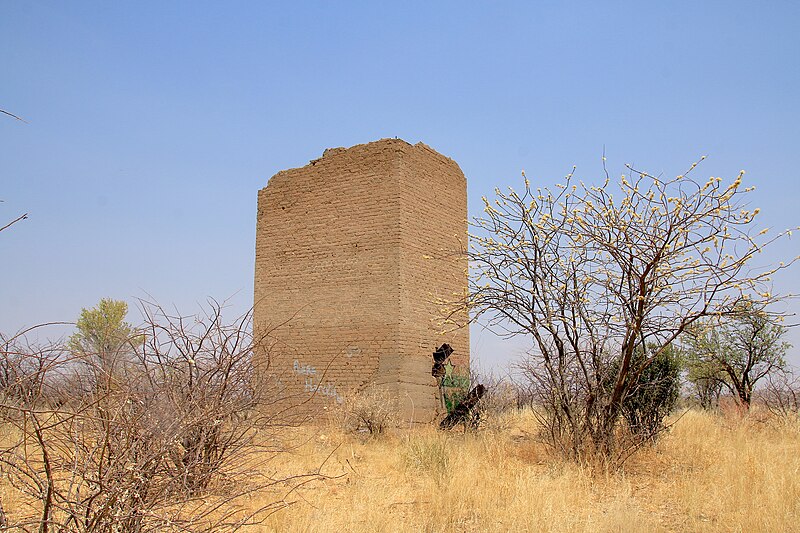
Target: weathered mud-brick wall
[[352, 253]]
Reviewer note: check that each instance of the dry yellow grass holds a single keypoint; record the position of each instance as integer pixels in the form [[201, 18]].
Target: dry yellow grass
[[709, 473]]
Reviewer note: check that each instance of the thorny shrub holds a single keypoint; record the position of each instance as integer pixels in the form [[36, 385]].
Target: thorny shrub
[[371, 410], [169, 442]]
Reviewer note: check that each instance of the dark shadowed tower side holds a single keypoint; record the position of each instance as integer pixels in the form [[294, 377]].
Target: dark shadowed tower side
[[354, 254]]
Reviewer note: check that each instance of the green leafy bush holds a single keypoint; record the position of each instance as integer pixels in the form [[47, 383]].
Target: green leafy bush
[[652, 394]]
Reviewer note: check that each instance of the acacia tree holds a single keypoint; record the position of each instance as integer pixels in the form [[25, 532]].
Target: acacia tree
[[706, 381], [104, 341], [591, 274], [738, 350]]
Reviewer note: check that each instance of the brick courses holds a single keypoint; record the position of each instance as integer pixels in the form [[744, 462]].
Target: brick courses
[[352, 252]]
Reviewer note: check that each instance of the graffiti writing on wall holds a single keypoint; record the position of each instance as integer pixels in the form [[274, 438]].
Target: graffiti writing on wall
[[306, 370], [327, 389]]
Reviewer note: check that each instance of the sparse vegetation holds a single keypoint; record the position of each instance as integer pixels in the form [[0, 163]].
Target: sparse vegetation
[[428, 456], [372, 410], [163, 428], [736, 351], [603, 280], [781, 395], [710, 473], [170, 426]]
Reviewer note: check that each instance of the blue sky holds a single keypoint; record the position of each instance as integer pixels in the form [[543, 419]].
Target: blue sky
[[151, 125]]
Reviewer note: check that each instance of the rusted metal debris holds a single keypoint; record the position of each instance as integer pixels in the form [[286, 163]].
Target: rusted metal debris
[[440, 357], [467, 410], [439, 370]]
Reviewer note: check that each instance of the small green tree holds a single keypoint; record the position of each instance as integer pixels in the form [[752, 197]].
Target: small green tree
[[739, 350], [104, 340], [706, 380], [654, 393]]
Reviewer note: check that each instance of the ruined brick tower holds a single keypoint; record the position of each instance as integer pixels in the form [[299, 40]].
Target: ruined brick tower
[[353, 251]]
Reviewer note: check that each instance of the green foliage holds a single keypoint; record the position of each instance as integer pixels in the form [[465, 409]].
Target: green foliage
[[455, 386], [737, 350], [452, 399], [104, 340], [653, 393], [102, 329], [706, 379]]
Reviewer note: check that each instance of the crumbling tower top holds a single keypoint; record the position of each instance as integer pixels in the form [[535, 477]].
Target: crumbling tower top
[[353, 251]]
